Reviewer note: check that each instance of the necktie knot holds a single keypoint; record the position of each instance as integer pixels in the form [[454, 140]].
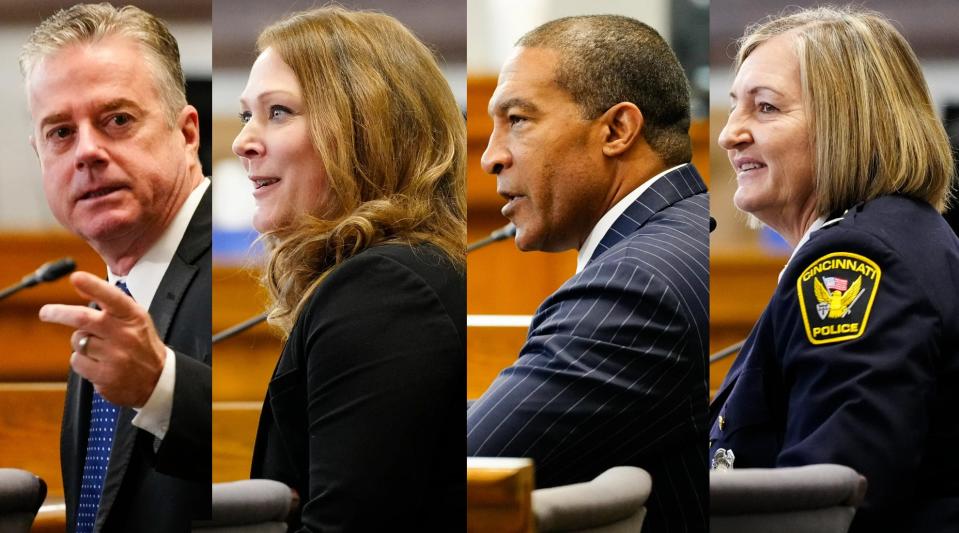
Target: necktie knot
[[122, 285]]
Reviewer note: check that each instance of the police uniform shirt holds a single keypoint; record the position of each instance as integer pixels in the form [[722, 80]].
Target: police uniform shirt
[[855, 361]]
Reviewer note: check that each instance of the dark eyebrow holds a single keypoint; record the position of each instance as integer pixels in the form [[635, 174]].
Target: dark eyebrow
[[524, 105], [54, 119], [111, 105], [118, 103]]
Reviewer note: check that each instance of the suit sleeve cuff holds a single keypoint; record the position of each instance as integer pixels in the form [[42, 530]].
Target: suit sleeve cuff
[[154, 416]]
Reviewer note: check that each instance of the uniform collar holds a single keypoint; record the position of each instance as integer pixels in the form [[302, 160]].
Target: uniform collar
[[817, 224]]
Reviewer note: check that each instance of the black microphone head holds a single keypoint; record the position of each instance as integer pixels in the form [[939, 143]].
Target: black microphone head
[[712, 224], [55, 269]]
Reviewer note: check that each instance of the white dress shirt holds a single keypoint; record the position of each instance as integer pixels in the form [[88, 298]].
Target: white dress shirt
[[606, 221], [143, 280]]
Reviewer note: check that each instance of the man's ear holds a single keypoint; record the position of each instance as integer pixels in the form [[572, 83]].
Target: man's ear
[[188, 123], [624, 126]]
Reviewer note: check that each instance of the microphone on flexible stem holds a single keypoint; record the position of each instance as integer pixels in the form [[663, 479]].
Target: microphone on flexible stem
[[732, 349], [503, 233], [239, 328], [51, 271]]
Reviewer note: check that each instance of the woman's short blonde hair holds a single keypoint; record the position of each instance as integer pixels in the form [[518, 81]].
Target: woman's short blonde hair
[[391, 136], [873, 128]]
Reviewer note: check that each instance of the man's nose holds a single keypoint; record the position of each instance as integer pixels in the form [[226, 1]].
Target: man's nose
[[89, 148], [496, 157]]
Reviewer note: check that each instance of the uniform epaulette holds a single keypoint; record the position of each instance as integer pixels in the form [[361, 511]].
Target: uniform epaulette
[[837, 217]]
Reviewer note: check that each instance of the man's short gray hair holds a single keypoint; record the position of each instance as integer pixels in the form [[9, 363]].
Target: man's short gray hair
[[89, 23]]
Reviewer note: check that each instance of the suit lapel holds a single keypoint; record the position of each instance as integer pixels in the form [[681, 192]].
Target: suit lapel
[[178, 276], [666, 191], [73, 439]]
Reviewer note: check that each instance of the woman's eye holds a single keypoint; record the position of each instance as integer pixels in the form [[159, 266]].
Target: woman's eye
[[245, 116], [279, 111], [767, 108]]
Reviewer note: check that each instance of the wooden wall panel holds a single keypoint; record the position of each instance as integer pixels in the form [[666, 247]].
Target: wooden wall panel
[[234, 429], [490, 350], [741, 283], [30, 415], [34, 350], [242, 365]]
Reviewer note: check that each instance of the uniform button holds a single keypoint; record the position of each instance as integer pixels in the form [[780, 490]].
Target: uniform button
[[722, 423]]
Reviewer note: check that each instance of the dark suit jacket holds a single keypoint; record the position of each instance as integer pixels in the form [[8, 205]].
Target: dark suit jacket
[[883, 402], [146, 490], [364, 413], [613, 371]]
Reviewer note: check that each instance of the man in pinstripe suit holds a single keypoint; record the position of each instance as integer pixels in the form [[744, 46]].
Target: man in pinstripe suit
[[591, 150]]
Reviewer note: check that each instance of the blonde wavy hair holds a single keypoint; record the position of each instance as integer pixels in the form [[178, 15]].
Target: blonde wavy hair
[[873, 126], [393, 140]]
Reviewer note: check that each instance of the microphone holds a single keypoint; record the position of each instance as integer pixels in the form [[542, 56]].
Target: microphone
[[712, 224], [51, 271], [503, 233], [732, 349], [239, 328]]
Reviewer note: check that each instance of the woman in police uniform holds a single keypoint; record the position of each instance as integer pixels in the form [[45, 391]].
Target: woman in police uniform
[[855, 361]]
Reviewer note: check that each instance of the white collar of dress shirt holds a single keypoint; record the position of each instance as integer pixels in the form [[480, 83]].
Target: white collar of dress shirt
[[606, 221], [144, 278], [816, 224]]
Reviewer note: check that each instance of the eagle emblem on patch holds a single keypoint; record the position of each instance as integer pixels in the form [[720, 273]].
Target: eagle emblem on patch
[[835, 294]]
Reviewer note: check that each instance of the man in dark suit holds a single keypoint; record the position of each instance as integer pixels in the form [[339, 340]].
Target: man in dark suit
[[590, 147], [117, 145]]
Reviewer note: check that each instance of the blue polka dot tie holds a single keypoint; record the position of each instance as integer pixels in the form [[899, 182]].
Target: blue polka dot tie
[[103, 424]]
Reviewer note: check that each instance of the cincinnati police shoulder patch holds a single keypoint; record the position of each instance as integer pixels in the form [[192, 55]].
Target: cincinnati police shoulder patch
[[836, 293]]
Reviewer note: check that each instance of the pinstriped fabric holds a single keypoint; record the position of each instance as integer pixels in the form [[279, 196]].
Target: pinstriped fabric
[[614, 370]]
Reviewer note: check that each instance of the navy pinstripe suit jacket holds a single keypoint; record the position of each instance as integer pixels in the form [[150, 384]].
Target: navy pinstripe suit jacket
[[614, 369]]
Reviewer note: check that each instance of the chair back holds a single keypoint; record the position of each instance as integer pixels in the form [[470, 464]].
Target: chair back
[[613, 502], [21, 494], [806, 499], [249, 506]]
